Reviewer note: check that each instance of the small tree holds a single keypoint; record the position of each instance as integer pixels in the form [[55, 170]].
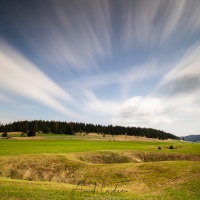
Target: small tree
[[32, 130], [4, 134], [31, 133]]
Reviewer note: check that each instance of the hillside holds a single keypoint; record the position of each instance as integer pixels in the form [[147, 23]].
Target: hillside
[[69, 128], [192, 138]]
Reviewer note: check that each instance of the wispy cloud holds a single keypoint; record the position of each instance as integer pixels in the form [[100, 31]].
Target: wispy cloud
[[143, 72], [21, 77], [78, 34], [67, 34], [97, 106], [138, 22], [185, 77], [155, 23], [176, 101], [125, 78]]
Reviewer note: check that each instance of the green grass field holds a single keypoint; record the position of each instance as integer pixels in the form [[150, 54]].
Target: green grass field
[[92, 167], [62, 144]]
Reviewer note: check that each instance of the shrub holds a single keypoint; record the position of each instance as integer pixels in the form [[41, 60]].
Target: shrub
[[4, 134], [23, 134], [171, 147], [31, 133]]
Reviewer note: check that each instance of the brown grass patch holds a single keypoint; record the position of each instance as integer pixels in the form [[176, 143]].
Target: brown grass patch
[[109, 157]]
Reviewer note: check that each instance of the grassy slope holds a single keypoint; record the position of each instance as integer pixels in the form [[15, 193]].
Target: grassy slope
[[56, 158], [154, 186]]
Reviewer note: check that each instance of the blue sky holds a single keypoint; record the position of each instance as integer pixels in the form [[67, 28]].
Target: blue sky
[[131, 63]]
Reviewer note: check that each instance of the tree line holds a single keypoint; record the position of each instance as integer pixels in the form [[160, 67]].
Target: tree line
[[70, 128]]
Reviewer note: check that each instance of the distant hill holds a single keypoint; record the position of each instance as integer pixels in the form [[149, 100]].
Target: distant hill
[[193, 138], [31, 127]]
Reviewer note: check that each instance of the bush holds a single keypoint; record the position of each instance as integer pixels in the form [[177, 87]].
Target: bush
[[23, 134], [4, 134], [171, 147], [31, 133], [159, 147]]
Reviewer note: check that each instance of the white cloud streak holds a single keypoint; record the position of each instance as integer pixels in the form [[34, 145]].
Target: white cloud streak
[[21, 77], [185, 77], [93, 104], [125, 78], [68, 39], [79, 34], [156, 22]]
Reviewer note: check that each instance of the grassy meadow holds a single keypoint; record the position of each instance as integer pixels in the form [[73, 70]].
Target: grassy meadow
[[51, 166]]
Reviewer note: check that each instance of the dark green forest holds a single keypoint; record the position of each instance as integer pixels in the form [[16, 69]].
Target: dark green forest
[[70, 128]]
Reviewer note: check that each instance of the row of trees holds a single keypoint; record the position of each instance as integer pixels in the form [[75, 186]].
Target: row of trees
[[31, 127]]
